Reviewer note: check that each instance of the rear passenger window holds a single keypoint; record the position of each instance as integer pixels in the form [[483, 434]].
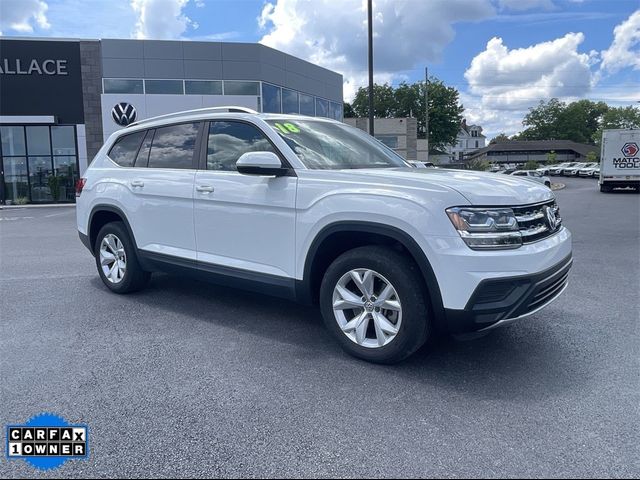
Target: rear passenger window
[[173, 146], [125, 149], [229, 140]]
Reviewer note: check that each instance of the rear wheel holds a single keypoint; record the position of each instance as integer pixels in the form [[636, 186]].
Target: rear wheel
[[373, 302], [117, 261], [605, 188]]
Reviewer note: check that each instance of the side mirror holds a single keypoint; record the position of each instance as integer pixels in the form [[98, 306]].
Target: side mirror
[[260, 163]]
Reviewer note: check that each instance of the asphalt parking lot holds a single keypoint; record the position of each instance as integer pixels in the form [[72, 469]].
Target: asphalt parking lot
[[189, 379]]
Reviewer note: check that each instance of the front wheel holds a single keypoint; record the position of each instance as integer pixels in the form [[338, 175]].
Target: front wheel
[[117, 261], [373, 302]]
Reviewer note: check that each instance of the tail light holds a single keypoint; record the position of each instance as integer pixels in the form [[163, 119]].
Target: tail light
[[80, 185]]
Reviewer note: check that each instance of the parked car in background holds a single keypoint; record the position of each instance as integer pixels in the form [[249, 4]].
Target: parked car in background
[[587, 170], [557, 169], [533, 175], [573, 170], [543, 170]]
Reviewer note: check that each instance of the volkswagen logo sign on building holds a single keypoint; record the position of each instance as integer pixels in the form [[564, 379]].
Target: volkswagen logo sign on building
[[123, 114]]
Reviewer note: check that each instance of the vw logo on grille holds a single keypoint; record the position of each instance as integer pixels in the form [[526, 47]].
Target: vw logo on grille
[[551, 218], [123, 114]]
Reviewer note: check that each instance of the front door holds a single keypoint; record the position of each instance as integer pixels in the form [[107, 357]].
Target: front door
[[243, 222]]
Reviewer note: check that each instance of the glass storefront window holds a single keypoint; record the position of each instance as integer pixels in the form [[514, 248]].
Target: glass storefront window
[[307, 105], [16, 184], [322, 107], [12, 140], [121, 85], [65, 168], [203, 87], [39, 172], [171, 87], [290, 101], [335, 111], [63, 140], [28, 166], [38, 141], [272, 98], [233, 87]]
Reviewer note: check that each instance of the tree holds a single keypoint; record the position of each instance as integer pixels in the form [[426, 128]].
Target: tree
[[478, 164], [348, 110], [551, 157], [407, 100], [500, 138], [384, 101], [620, 117], [556, 120], [531, 165], [592, 156]]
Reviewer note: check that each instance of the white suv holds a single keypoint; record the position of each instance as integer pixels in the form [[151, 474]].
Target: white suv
[[313, 210]]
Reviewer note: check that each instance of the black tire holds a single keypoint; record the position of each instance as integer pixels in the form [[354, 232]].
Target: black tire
[[605, 188], [548, 184], [135, 278], [405, 277]]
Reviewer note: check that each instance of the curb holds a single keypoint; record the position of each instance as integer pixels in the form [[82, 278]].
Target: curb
[[557, 186]]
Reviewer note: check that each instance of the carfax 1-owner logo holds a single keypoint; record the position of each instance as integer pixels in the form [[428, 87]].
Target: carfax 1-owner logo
[[47, 441]]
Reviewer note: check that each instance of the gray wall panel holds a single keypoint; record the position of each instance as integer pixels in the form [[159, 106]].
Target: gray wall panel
[[272, 57], [272, 74], [121, 48], [203, 69], [122, 68], [241, 70], [162, 49], [246, 52], [202, 50], [154, 68]]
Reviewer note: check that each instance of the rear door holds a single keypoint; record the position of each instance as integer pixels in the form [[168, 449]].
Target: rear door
[[161, 183], [244, 222]]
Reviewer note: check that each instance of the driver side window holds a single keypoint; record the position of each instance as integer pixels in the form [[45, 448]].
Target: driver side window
[[229, 140]]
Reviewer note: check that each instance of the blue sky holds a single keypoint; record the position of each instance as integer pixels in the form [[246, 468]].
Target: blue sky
[[502, 55]]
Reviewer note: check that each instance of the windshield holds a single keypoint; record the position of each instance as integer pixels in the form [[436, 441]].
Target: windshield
[[326, 145]]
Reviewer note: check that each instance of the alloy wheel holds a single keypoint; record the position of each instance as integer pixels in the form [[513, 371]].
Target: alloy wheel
[[367, 308], [113, 258]]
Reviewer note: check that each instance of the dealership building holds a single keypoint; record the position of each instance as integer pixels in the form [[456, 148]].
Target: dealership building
[[60, 99]]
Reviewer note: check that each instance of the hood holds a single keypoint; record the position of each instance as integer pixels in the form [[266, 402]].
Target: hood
[[479, 188]]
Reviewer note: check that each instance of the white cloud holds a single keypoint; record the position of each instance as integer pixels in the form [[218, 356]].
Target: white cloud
[[161, 19], [504, 83], [22, 15], [334, 34], [625, 49], [514, 79], [521, 5]]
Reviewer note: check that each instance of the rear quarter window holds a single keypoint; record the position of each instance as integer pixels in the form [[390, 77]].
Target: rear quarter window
[[124, 151]]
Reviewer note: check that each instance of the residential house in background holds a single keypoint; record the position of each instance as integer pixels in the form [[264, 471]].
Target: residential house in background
[[470, 139]]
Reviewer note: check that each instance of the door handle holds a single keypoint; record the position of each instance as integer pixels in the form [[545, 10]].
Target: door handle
[[204, 188], [137, 183]]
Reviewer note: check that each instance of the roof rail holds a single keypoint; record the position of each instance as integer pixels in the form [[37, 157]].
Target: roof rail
[[194, 112]]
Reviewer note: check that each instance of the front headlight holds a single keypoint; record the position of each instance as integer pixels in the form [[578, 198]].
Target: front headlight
[[486, 228]]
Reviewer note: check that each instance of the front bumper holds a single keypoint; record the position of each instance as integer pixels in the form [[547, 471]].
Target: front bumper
[[498, 301]]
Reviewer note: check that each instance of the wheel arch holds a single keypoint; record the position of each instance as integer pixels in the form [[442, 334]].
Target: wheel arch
[[101, 215], [328, 245]]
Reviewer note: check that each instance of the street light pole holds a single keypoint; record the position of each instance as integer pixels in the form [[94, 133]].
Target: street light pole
[[426, 108], [370, 18]]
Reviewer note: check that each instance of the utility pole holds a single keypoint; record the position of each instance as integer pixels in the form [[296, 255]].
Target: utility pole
[[426, 108], [370, 18]]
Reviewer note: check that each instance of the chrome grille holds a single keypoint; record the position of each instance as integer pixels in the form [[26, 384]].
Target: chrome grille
[[536, 223]]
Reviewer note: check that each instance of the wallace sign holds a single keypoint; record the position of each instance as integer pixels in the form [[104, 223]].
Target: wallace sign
[[41, 77]]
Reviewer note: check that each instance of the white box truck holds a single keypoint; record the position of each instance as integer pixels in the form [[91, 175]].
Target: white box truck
[[620, 159]]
